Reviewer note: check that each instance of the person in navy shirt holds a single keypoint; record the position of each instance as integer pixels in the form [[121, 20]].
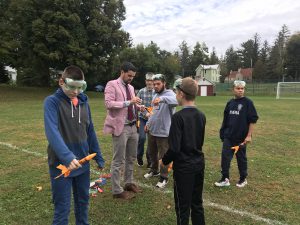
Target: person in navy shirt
[[239, 118]]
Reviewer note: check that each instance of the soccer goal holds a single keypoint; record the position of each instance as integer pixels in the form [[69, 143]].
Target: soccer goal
[[288, 90]]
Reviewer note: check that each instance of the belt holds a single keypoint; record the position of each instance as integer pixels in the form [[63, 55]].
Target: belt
[[131, 124]]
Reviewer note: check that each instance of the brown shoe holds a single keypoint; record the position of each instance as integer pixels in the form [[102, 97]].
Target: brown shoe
[[124, 195], [132, 187]]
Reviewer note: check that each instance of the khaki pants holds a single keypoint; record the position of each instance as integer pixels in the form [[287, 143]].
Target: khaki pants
[[124, 152], [158, 146]]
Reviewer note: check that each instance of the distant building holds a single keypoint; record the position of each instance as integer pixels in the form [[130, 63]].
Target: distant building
[[241, 74], [206, 87], [209, 72]]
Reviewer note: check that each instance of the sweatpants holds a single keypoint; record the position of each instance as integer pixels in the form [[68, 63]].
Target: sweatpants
[[227, 155], [188, 188]]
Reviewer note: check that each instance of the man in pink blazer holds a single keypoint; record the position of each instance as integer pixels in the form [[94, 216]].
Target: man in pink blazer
[[122, 104]]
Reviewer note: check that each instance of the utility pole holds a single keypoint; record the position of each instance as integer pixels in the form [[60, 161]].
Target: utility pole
[[252, 76]]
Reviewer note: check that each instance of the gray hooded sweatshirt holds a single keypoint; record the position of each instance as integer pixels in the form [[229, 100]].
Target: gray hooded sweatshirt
[[159, 123]]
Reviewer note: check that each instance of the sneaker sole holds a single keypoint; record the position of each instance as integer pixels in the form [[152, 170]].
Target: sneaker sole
[[240, 186], [218, 185], [156, 175]]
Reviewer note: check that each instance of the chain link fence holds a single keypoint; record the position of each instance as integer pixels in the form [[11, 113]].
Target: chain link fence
[[252, 88]]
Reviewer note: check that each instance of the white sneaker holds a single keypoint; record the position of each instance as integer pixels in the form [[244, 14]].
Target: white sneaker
[[223, 183], [151, 174], [242, 183], [162, 183]]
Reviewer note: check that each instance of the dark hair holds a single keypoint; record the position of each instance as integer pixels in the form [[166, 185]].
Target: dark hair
[[73, 72], [126, 66]]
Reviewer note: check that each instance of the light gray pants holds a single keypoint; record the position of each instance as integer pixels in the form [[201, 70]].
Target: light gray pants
[[124, 151]]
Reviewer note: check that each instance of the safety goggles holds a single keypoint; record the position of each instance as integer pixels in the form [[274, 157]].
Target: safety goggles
[[159, 77], [177, 82], [239, 83], [179, 88], [73, 85]]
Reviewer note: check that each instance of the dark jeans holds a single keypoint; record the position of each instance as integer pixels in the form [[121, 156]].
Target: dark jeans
[[227, 155], [188, 188], [61, 194], [141, 143]]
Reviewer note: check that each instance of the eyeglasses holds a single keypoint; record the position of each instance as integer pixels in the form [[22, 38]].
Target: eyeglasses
[[73, 85]]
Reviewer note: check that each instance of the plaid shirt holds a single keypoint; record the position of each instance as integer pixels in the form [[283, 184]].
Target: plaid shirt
[[146, 95]]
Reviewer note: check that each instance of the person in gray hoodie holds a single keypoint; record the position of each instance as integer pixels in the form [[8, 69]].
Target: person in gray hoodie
[[158, 126]]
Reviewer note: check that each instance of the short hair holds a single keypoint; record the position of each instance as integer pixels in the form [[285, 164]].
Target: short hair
[[73, 72], [189, 87], [126, 66], [159, 76]]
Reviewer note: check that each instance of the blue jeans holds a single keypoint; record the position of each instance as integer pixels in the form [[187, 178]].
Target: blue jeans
[[142, 139], [61, 194]]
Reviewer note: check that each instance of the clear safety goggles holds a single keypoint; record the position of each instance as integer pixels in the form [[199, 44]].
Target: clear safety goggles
[[239, 83], [159, 77], [73, 85], [177, 82]]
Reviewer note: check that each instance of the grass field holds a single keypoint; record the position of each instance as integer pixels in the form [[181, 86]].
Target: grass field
[[272, 196]]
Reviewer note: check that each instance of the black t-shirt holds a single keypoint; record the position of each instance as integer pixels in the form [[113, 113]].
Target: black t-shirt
[[238, 114], [186, 139]]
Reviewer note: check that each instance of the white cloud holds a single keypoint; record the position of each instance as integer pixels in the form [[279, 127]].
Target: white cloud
[[217, 23]]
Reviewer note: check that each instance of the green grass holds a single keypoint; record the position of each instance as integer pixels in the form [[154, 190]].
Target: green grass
[[274, 170]]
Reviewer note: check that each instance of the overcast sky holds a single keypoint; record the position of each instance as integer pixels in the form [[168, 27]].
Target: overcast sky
[[218, 23]]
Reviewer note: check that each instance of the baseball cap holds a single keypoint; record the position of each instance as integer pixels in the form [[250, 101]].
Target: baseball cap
[[188, 86]]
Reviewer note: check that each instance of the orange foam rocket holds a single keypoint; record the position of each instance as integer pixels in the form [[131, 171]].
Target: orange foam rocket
[[66, 172], [237, 147], [170, 167], [149, 109]]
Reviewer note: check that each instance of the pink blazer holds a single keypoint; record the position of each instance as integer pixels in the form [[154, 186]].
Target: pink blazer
[[115, 96]]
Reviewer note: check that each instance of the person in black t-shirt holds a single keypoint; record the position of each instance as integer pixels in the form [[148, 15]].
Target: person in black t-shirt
[[186, 139], [239, 118]]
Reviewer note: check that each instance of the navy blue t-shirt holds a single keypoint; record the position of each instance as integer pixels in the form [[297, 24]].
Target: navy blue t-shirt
[[238, 114]]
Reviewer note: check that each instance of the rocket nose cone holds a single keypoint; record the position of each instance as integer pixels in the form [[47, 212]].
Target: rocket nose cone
[[89, 157]]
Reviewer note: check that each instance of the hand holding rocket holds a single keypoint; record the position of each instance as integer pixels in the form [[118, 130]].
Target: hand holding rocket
[[66, 172]]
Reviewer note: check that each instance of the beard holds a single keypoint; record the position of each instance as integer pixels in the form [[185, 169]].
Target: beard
[[160, 91]]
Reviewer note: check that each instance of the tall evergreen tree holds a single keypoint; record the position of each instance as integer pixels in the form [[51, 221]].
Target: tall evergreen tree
[[232, 59], [250, 52], [198, 56], [184, 55], [293, 57], [277, 60], [213, 59]]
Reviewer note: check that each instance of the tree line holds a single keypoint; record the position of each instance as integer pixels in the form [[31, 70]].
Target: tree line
[[39, 37]]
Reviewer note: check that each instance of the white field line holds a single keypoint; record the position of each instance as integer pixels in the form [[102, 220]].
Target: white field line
[[206, 202]]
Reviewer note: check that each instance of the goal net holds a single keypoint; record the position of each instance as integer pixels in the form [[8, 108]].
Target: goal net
[[288, 90]]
